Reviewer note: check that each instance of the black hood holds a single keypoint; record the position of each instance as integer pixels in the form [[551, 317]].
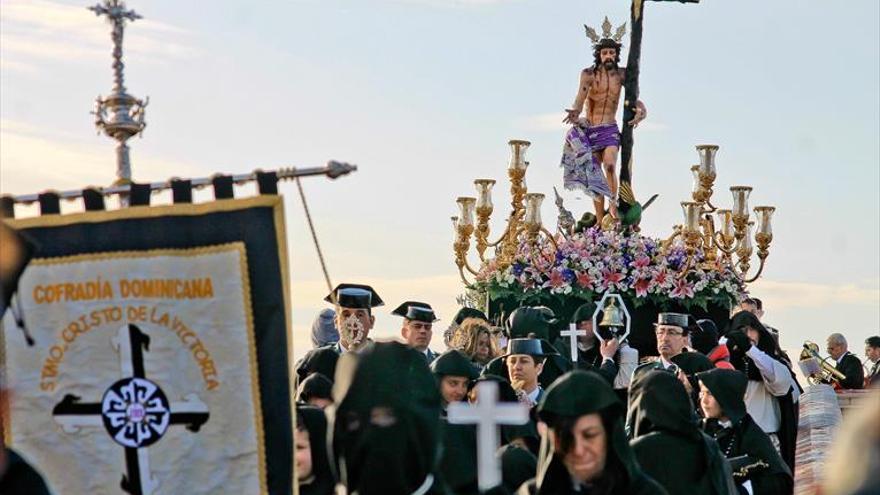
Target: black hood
[[659, 404], [313, 420], [575, 394], [322, 360], [316, 386], [766, 342], [518, 465], [729, 389], [658, 401], [386, 424], [454, 363], [704, 337]]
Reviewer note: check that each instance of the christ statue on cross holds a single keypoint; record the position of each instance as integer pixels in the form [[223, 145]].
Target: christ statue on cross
[[590, 153]]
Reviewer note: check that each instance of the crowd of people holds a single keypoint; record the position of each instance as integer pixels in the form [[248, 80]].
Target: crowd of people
[[715, 412]]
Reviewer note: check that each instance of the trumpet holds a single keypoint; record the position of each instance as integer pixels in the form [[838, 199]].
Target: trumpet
[[817, 368]]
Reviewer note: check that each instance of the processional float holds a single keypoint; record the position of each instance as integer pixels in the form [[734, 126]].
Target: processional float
[[702, 266], [704, 263]]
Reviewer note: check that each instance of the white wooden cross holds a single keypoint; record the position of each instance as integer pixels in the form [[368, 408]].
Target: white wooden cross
[[573, 333], [487, 414]]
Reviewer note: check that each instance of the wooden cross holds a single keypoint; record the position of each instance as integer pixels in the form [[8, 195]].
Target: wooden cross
[[573, 333], [631, 92]]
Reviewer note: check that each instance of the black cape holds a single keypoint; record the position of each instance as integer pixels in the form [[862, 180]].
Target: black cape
[[458, 459], [518, 465], [386, 422], [527, 432], [576, 394], [321, 360], [689, 362], [737, 344], [590, 360], [668, 442], [744, 437]]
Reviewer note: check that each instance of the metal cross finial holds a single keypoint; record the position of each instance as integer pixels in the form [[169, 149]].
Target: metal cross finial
[[116, 14], [120, 115]]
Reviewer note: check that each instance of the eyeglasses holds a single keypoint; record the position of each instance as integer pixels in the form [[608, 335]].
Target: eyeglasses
[[672, 333], [420, 326]]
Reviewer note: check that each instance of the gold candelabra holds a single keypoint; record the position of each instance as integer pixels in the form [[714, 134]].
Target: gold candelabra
[[734, 236], [523, 222]]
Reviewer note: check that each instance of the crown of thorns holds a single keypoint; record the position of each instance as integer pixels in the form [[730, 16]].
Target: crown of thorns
[[616, 38]]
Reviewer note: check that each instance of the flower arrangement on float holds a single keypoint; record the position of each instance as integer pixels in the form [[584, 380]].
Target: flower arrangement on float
[[588, 264]]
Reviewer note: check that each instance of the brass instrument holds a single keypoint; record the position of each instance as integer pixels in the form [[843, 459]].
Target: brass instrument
[[817, 368]]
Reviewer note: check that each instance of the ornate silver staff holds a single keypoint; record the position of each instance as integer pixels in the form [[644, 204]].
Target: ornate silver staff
[[120, 115]]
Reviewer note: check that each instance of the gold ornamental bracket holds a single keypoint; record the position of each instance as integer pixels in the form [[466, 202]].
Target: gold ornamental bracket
[[523, 222], [732, 242]]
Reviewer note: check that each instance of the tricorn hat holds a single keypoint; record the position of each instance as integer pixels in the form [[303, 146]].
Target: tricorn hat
[[529, 347], [674, 320], [415, 310], [355, 296]]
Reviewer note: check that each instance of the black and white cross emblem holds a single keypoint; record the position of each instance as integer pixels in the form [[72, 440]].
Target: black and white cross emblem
[[134, 411]]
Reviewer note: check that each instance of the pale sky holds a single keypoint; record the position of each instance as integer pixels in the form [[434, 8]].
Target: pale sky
[[423, 96]]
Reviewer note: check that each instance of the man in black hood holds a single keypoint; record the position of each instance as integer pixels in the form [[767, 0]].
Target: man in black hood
[[772, 392], [385, 423], [757, 467], [668, 442], [585, 450]]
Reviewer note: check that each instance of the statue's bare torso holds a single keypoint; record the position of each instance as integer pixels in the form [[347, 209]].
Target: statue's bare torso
[[601, 89]]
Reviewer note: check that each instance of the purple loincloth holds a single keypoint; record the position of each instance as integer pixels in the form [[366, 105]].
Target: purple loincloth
[[580, 171]]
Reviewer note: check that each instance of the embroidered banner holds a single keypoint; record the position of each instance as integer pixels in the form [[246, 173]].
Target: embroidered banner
[[161, 351]]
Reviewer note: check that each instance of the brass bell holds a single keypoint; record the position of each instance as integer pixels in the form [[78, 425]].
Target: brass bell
[[612, 316]]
